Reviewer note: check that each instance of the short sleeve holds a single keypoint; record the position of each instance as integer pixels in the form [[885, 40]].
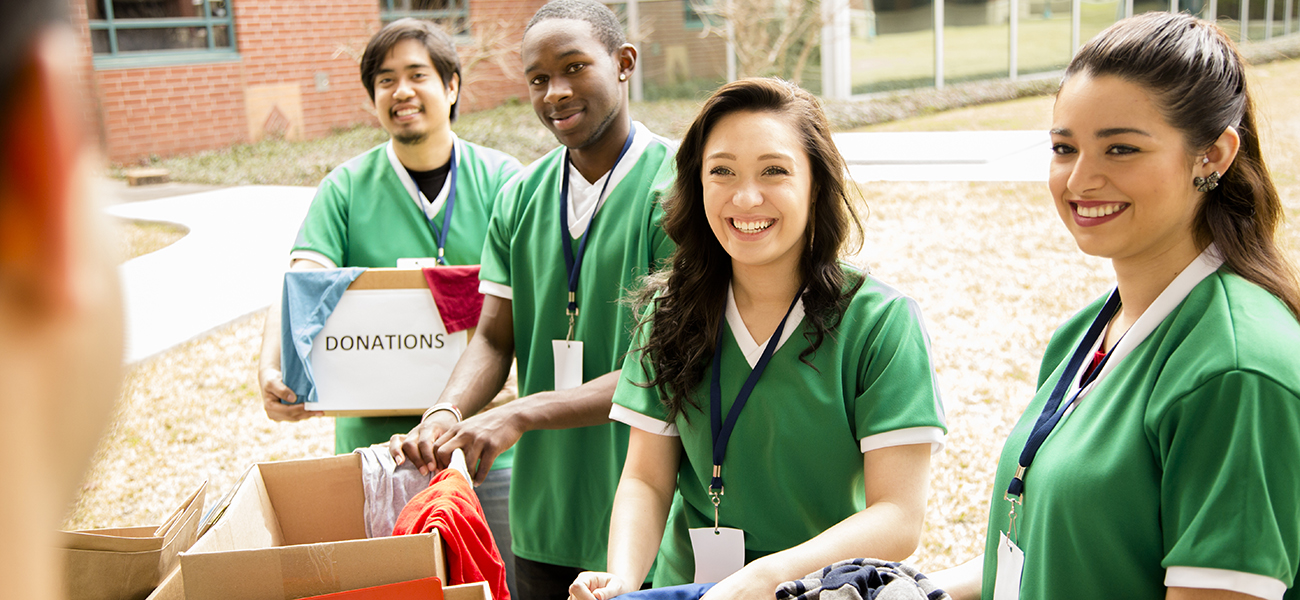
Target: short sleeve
[[324, 230], [509, 168], [495, 262], [898, 401], [1229, 489], [635, 396]]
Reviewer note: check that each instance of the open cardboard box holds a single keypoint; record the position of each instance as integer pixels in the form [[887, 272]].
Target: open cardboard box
[[295, 529], [126, 563]]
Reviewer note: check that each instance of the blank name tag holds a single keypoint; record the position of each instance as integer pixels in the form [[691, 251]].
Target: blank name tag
[[718, 553], [568, 364], [1011, 563]]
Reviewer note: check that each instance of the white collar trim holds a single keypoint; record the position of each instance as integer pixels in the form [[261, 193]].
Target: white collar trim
[[578, 185], [751, 349], [1205, 265]]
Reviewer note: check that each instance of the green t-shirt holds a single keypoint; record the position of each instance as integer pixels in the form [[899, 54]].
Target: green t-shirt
[[563, 483], [1183, 457], [365, 215], [794, 462]]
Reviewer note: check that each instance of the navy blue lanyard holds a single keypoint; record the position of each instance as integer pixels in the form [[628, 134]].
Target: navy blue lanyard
[[441, 240], [1053, 410], [722, 431], [573, 264]]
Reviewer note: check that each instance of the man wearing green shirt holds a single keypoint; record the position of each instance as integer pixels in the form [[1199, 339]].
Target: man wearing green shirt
[[580, 226], [394, 202]]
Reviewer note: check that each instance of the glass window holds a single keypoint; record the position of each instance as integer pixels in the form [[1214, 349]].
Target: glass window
[[452, 14], [892, 44], [693, 17], [133, 32]]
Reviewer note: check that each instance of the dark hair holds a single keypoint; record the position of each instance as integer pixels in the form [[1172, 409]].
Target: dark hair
[[442, 52], [20, 22], [604, 23], [1198, 80], [689, 297]]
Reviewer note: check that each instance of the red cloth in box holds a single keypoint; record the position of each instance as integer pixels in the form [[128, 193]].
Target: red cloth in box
[[450, 506]]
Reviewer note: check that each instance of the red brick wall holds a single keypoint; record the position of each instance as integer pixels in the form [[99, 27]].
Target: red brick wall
[[162, 111], [498, 29], [85, 73], [286, 41]]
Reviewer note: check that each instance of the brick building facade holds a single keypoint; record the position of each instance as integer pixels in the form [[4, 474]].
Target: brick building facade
[[291, 68]]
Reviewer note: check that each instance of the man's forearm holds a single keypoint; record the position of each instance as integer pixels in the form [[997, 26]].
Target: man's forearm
[[583, 406], [478, 376]]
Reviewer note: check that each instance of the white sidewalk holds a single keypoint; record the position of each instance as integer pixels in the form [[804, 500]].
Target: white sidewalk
[[947, 155], [228, 266], [233, 259]]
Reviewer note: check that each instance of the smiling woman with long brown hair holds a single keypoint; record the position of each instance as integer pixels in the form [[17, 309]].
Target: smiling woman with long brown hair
[[815, 376], [1158, 458]]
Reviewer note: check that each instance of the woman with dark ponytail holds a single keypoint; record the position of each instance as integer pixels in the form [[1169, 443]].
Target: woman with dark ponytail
[[1158, 458], [830, 457]]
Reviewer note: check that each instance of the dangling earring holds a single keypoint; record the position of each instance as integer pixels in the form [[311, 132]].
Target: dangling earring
[[1205, 184], [812, 230]]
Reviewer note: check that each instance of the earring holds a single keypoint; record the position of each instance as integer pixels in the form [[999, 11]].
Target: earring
[[622, 76], [1205, 184], [1205, 160]]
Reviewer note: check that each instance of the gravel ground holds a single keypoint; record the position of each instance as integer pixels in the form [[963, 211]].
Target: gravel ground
[[991, 266]]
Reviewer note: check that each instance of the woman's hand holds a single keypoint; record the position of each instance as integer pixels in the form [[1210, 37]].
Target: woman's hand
[[753, 582], [593, 585]]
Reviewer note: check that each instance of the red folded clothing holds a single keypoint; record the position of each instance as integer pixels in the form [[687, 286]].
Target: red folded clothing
[[455, 291], [428, 588], [450, 506]]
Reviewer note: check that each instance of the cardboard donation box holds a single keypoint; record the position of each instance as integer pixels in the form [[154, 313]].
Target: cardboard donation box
[[384, 349], [295, 529], [127, 563]]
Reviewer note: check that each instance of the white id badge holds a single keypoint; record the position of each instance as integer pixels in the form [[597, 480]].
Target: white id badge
[[568, 364], [1011, 563], [717, 553]]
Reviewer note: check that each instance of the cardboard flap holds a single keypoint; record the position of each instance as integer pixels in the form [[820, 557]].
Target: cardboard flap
[[136, 539], [189, 507], [118, 539], [317, 500], [247, 522], [309, 569]]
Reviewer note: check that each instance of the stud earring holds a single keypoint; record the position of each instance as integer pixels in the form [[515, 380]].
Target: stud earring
[[622, 76], [1205, 184], [1205, 160]]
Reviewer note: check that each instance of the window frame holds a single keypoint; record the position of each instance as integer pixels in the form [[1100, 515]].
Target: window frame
[[692, 19], [458, 12], [116, 59]]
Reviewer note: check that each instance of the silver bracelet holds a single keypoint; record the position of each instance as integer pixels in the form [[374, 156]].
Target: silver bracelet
[[447, 406]]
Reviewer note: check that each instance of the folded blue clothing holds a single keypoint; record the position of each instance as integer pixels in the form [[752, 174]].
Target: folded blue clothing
[[862, 579], [309, 297], [690, 591]]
